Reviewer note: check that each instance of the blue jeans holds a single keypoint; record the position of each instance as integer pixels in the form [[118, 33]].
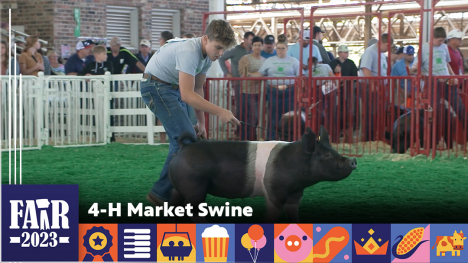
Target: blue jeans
[[248, 114], [449, 93], [280, 101], [167, 105]]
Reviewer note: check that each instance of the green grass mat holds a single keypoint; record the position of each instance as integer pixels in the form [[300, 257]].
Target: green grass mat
[[384, 189]]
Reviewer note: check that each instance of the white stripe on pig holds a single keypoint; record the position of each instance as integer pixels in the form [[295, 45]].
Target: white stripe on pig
[[263, 154]]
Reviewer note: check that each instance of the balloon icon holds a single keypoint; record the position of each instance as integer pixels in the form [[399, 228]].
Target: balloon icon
[[246, 241], [260, 243], [255, 232]]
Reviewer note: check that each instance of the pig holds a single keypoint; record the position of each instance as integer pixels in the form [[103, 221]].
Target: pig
[[401, 134], [279, 171]]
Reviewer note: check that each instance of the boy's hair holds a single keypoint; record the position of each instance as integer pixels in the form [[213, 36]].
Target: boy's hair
[[439, 32], [99, 50], [166, 35], [384, 38], [248, 34], [221, 31]]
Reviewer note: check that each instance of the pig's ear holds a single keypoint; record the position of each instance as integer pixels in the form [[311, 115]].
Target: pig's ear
[[308, 141], [323, 135]]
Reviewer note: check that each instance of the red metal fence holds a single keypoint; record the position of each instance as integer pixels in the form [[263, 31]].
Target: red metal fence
[[372, 115]]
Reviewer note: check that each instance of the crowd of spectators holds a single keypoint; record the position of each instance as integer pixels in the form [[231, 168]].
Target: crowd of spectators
[[262, 57]]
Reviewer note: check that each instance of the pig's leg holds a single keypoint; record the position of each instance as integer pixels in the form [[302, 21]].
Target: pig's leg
[[292, 207], [273, 212]]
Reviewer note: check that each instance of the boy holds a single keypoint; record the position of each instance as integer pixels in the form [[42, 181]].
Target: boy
[[100, 64], [173, 78]]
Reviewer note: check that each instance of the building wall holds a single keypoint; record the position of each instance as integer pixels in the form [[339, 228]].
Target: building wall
[[53, 21]]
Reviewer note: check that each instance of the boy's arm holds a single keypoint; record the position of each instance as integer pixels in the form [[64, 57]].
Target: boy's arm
[[189, 96]]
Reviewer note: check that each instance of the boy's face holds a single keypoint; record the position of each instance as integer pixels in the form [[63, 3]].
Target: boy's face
[[439, 41], [100, 57], [213, 49]]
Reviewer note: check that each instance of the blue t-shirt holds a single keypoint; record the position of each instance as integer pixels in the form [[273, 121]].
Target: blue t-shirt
[[268, 55], [74, 64], [178, 55], [399, 69], [294, 51]]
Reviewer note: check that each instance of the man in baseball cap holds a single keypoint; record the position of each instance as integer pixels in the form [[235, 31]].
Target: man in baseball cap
[[294, 51], [76, 62], [317, 40], [120, 56], [143, 55], [401, 69], [454, 43], [268, 47], [343, 65]]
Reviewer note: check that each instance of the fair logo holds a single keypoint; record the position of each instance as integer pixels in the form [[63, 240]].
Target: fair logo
[[40, 222]]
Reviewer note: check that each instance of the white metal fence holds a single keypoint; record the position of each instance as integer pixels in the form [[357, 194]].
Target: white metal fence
[[68, 111]]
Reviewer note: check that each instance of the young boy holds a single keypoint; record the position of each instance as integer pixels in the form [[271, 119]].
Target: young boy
[[173, 78], [100, 65]]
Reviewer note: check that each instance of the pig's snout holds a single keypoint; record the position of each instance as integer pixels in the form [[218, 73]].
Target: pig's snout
[[352, 163]]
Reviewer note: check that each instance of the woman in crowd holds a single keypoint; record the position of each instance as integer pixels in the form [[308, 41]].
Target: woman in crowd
[[56, 67], [5, 63], [250, 90], [280, 94], [31, 61]]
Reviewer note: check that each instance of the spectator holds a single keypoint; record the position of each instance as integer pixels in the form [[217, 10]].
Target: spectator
[[100, 64], [20, 44], [76, 62], [294, 51], [165, 36], [47, 69], [120, 56], [342, 65], [441, 67], [369, 67], [401, 69], [269, 47], [30, 60], [454, 43], [175, 76], [250, 90], [280, 93], [5, 65], [56, 67], [235, 55], [189, 35], [317, 39], [143, 56]]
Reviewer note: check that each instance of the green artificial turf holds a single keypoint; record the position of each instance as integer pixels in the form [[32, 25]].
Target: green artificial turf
[[384, 189]]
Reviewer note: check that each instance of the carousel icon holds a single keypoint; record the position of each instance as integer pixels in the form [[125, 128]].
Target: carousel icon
[[98, 242], [176, 244]]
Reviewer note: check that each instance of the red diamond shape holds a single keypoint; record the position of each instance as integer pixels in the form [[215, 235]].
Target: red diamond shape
[[371, 246]]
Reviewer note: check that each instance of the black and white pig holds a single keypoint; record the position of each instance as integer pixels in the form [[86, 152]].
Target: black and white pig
[[276, 170]]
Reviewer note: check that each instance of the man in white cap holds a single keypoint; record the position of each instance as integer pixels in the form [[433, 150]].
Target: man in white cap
[[120, 56], [454, 43], [76, 63], [342, 65], [294, 51], [20, 44], [143, 56]]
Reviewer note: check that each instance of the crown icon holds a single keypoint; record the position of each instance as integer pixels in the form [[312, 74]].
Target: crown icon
[[371, 247]]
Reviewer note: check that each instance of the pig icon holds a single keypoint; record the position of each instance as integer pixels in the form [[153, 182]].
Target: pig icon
[[278, 171]]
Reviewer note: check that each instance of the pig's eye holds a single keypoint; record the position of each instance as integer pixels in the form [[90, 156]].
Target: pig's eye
[[327, 156]]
